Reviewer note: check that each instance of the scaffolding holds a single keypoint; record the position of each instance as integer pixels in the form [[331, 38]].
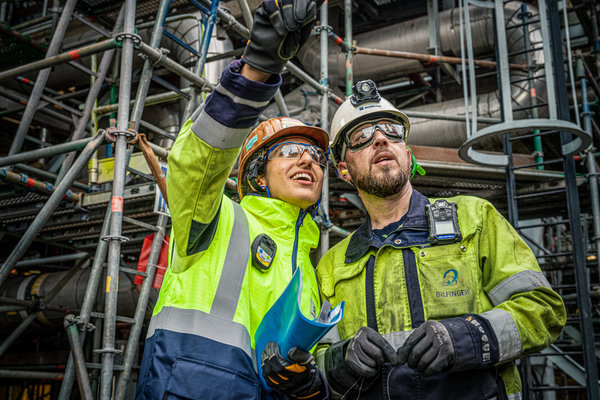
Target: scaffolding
[[105, 368]]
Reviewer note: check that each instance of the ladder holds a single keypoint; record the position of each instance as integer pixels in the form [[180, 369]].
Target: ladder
[[562, 251]]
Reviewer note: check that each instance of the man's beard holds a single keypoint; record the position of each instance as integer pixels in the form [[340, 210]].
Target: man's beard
[[389, 182]]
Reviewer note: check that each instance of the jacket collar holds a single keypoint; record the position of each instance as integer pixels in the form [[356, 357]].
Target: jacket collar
[[278, 219], [364, 238]]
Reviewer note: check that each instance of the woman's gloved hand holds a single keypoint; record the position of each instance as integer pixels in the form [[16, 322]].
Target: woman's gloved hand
[[279, 30]]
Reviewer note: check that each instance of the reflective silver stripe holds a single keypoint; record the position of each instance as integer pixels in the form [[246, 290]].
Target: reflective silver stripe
[[216, 134], [197, 112], [234, 267], [240, 100], [507, 333], [515, 396], [398, 338], [331, 337], [196, 322], [520, 282]]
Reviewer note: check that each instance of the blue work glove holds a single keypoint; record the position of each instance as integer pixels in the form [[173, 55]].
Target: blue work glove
[[279, 30], [298, 377]]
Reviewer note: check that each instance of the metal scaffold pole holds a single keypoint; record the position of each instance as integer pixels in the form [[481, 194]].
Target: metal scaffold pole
[[88, 301], [42, 78], [105, 65], [348, 33], [108, 351], [161, 224], [573, 208], [593, 173], [324, 29]]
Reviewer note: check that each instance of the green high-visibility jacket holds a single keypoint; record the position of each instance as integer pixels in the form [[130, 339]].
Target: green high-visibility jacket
[[200, 341], [490, 276]]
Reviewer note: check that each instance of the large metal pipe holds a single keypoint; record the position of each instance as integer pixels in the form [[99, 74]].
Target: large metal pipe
[[413, 36], [71, 297]]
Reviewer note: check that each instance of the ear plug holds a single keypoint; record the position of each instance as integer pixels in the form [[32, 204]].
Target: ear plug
[[344, 172]]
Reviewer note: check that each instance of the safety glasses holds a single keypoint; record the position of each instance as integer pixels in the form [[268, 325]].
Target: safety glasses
[[295, 150], [360, 138]]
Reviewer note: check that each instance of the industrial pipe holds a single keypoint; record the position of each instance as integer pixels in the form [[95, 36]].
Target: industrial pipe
[[160, 58], [323, 29], [50, 206], [44, 187], [85, 391], [59, 59], [50, 151], [37, 375]]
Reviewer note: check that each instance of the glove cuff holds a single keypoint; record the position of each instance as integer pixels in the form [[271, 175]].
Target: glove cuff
[[475, 344], [337, 376]]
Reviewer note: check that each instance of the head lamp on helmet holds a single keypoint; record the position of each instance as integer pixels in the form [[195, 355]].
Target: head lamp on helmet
[[364, 105]]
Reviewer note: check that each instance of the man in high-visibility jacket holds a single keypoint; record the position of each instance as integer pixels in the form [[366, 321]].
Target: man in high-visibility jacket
[[229, 263], [441, 296]]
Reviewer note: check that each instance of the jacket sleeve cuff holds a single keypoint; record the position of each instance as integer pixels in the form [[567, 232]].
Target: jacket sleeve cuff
[[232, 109], [475, 344], [336, 374]]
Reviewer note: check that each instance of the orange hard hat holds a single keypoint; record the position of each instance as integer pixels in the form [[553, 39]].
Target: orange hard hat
[[268, 132]]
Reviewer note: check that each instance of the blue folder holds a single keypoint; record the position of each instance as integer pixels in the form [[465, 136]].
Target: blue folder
[[285, 324]]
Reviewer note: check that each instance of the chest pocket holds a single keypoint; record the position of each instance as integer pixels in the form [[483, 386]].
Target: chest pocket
[[449, 276]]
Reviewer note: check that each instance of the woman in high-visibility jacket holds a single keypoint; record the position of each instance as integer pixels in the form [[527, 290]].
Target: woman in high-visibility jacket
[[200, 342]]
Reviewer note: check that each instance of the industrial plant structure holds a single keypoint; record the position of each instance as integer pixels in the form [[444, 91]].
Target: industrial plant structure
[[502, 98]]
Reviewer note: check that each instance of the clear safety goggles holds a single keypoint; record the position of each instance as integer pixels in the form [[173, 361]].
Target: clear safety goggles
[[360, 138], [295, 150]]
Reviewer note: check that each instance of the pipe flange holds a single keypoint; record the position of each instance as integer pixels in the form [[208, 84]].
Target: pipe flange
[[161, 60], [137, 40], [119, 238]]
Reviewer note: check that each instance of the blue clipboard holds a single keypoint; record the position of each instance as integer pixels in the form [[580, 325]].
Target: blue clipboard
[[285, 324]]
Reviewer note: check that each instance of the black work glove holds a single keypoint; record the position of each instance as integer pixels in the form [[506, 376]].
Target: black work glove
[[299, 378], [429, 349], [348, 363], [367, 351], [280, 28]]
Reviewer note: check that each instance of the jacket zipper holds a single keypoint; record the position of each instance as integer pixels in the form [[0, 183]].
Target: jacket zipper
[[299, 223]]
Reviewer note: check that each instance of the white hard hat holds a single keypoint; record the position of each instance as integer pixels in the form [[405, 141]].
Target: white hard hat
[[364, 105]]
